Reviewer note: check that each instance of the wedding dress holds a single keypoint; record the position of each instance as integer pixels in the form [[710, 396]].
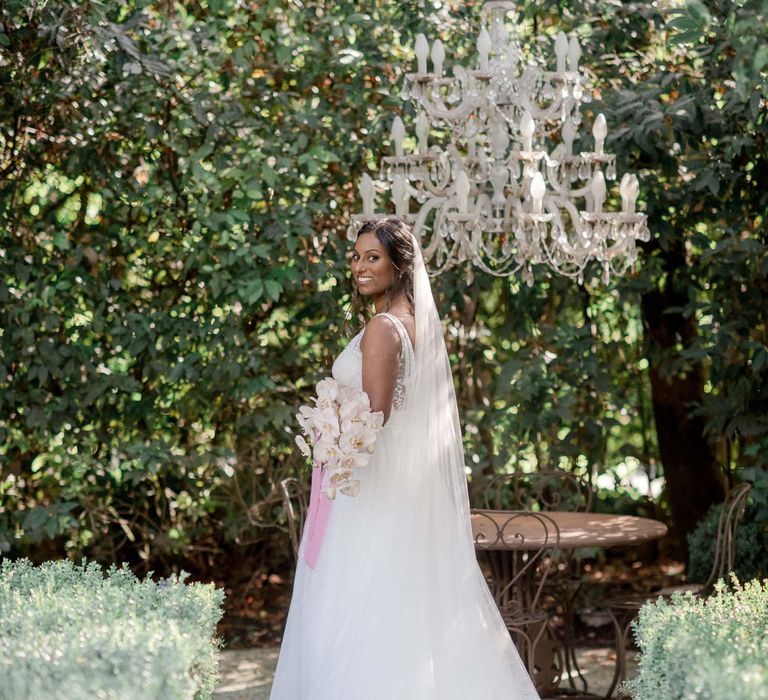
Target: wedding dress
[[397, 607]]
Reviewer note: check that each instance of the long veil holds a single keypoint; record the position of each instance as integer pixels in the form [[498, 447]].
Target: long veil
[[433, 407], [433, 436]]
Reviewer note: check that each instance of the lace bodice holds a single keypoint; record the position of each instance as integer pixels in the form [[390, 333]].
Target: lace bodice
[[348, 366]]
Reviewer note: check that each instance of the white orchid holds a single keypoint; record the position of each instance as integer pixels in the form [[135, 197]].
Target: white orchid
[[359, 438], [373, 419], [326, 451], [352, 460], [352, 488], [305, 422], [303, 446], [354, 407], [326, 421], [327, 388]]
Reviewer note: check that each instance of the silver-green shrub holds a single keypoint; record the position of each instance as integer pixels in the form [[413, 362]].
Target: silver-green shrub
[[712, 648], [67, 631]]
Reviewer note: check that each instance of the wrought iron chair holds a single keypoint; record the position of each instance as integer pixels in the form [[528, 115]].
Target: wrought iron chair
[[517, 577], [295, 505], [544, 491], [624, 609]]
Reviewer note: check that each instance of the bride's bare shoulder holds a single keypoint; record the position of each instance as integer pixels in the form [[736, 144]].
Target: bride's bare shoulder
[[380, 335]]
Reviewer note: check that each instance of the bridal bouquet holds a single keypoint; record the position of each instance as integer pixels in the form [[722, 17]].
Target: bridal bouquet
[[340, 431]]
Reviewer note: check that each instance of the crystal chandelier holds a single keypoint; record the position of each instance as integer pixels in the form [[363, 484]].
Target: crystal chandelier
[[502, 191]]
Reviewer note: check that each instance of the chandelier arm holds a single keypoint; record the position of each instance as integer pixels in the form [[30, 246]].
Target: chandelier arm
[[555, 204], [441, 111], [613, 251], [420, 224], [438, 239], [436, 189], [568, 191], [530, 78]]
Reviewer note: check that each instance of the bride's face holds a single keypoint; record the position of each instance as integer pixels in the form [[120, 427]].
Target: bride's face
[[372, 269]]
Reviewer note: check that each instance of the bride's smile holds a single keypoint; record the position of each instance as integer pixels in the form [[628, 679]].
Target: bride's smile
[[371, 266]]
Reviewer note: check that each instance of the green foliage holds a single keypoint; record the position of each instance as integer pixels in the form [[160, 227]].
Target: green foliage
[[168, 240], [712, 648], [70, 632], [695, 118], [176, 180]]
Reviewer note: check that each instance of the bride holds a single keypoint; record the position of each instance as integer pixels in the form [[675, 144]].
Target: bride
[[396, 607]]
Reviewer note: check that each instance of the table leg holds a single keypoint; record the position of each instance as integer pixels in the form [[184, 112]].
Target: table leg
[[622, 627]]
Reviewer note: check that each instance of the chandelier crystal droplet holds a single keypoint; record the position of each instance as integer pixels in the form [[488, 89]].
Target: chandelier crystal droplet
[[502, 193]]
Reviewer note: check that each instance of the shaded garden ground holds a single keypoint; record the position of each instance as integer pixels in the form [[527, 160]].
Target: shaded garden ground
[[255, 617], [246, 674], [256, 605]]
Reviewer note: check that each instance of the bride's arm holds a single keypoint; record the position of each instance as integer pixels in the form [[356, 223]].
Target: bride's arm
[[380, 346]]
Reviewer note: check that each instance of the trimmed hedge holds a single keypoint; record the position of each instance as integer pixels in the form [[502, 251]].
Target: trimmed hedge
[[704, 648], [67, 631]]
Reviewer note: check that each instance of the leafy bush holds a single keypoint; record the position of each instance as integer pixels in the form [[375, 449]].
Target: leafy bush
[[713, 648], [69, 632]]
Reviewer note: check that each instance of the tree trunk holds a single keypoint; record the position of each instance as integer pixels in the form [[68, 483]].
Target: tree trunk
[[694, 481]]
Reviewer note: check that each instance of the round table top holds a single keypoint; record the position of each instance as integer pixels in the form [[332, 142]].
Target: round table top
[[508, 529]]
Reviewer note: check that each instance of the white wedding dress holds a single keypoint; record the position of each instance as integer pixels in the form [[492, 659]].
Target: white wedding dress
[[396, 607]]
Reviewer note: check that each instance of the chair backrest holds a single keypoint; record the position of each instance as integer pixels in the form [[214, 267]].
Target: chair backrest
[[294, 495], [517, 547], [725, 544], [540, 491]]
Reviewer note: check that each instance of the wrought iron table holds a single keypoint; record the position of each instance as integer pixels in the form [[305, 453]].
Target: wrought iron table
[[504, 535]]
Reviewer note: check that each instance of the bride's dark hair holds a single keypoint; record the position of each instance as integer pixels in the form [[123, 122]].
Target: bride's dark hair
[[395, 236]]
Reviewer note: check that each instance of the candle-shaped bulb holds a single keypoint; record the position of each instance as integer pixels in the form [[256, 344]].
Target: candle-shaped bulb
[[438, 56], [574, 53], [538, 188], [422, 131], [633, 190], [624, 192], [462, 191], [398, 134], [599, 131], [422, 51], [484, 47], [400, 194], [561, 51], [366, 194], [598, 191], [527, 127]]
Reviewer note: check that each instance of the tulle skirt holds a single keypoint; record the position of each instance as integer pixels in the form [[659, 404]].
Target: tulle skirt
[[395, 608]]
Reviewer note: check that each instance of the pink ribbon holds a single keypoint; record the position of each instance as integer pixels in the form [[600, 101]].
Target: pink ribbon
[[317, 517]]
